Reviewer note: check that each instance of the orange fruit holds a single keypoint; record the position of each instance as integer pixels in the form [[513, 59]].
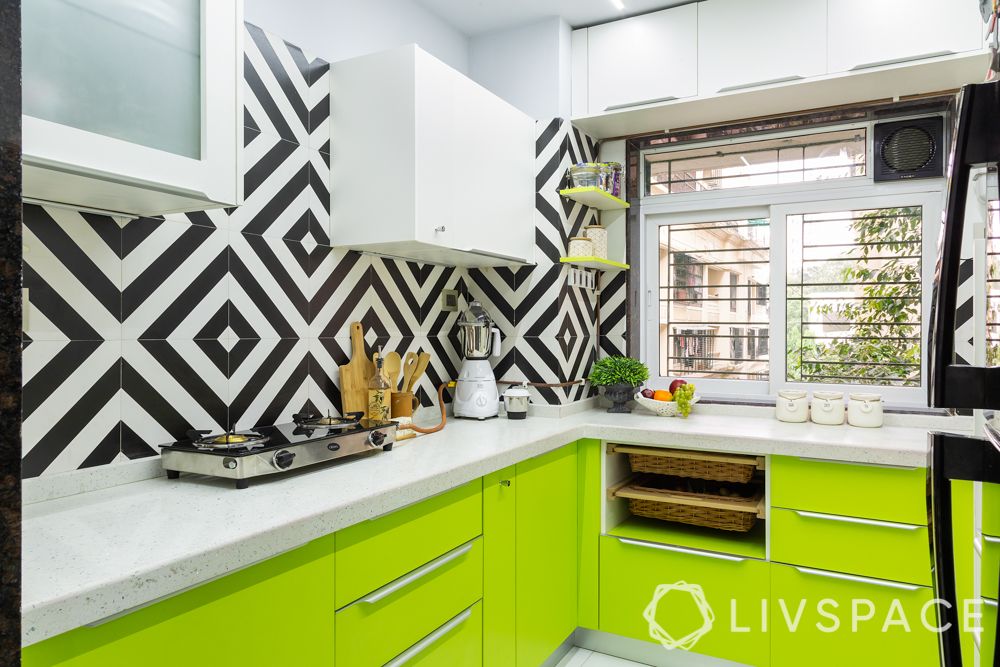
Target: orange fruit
[[662, 395]]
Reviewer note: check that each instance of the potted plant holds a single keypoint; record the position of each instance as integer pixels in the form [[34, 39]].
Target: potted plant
[[621, 377]]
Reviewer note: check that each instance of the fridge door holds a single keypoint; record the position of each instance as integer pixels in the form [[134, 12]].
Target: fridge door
[[976, 143]]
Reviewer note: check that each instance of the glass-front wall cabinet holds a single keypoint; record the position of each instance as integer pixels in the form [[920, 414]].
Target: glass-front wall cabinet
[[116, 113]]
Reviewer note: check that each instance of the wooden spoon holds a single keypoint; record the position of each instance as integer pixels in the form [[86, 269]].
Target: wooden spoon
[[392, 365]]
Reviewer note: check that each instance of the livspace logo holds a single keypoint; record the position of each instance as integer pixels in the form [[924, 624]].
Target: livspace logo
[[845, 615]]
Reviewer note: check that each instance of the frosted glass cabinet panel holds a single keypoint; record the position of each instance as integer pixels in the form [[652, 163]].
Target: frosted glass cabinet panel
[[120, 68], [116, 113]]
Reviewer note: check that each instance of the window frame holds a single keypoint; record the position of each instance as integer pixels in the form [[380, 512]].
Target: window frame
[[775, 203]]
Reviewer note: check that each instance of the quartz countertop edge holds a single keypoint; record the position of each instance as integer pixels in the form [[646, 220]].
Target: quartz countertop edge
[[95, 555]]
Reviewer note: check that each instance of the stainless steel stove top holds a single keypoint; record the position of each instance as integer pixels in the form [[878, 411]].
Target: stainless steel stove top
[[266, 450]]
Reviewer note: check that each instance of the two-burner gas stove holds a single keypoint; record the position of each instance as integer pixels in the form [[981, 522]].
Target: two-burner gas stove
[[265, 450]]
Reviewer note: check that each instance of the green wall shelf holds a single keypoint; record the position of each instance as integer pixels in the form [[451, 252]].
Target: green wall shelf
[[595, 198]]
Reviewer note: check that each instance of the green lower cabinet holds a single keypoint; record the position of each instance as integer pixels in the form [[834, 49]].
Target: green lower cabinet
[[295, 588], [458, 643], [386, 622], [987, 640], [990, 569], [806, 605], [991, 509], [499, 640], [643, 582], [895, 551], [589, 458], [545, 588]]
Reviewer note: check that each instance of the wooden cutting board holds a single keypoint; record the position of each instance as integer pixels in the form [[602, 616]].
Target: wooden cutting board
[[354, 375]]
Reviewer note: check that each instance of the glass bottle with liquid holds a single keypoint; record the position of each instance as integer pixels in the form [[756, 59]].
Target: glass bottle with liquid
[[379, 398]]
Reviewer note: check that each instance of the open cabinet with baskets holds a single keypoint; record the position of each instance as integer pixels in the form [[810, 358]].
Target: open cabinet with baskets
[[702, 499]]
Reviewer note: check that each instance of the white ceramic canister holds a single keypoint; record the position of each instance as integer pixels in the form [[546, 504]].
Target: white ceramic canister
[[599, 236], [864, 410], [581, 246], [827, 407], [792, 406]]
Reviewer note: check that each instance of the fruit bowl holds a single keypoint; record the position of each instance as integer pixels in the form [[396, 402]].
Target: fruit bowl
[[662, 408]]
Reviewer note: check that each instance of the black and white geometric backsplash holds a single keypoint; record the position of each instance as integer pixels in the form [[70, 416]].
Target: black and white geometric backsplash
[[138, 330]]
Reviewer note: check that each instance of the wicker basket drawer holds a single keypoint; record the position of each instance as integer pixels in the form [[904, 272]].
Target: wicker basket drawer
[[660, 497], [713, 466]]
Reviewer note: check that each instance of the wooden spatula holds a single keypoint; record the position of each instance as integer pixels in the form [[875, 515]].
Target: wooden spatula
[[409, 365], [422, 361], [392, 364]]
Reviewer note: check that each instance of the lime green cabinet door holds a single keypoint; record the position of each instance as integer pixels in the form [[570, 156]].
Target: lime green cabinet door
[[648, 593], [987, 640], [590, 496], [812, 621], [458, 643], [499, 642], [545, 554], [991, 509], [295, 588], [370, 554]]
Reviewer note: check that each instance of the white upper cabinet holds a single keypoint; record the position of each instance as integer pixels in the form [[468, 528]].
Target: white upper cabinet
[[644, 59], [132, 107], [868, 33], [746, 44], [428, 165]]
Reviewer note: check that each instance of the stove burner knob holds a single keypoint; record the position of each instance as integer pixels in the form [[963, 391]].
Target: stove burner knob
[[333, 446], [283, 459], [229, 463], [376, 438]]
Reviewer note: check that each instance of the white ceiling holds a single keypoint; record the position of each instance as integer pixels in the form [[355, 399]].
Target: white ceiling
[[478, 16]]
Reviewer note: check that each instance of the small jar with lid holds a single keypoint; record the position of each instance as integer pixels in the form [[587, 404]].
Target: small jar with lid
[[864, 410], [792, 406], [581, 246], [827, 408], [599, 237]]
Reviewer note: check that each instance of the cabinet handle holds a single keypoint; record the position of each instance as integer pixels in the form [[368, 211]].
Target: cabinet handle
[[852, 577], [626, 105], [504, 482], [419, 573], [496, 255], [681, 550], [989, 603], [765, 82], [851, 519], [991, 539], [896, 61], [857, 463], [429, 640]]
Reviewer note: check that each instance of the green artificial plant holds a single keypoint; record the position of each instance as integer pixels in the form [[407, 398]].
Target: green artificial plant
[[618, 370]]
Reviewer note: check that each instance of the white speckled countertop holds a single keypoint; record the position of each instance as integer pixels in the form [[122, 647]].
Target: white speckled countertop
[[96, 554]]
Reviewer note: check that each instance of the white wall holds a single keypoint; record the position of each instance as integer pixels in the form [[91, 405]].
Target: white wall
[[340, 29], [529, 66]]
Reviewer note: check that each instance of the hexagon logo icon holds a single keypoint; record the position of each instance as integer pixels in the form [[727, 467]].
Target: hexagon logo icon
[[657, 632]]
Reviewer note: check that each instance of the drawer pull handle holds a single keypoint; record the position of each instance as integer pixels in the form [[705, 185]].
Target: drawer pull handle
[[419, 573], [682, 550], [862, 580], [989, 603], [851, 519], [858, 463], [991, 539], [429, 640], [755, 84]]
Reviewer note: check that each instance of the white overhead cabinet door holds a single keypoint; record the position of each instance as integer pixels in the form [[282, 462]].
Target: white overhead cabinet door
[[645, 59], [868, 33], [746, 44], [132, 107]]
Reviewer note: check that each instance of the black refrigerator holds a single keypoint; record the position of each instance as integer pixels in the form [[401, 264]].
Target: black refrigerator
[[955, 383]]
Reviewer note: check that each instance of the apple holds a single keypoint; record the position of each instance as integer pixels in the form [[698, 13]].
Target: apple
[[647, 393], [675, 384]]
